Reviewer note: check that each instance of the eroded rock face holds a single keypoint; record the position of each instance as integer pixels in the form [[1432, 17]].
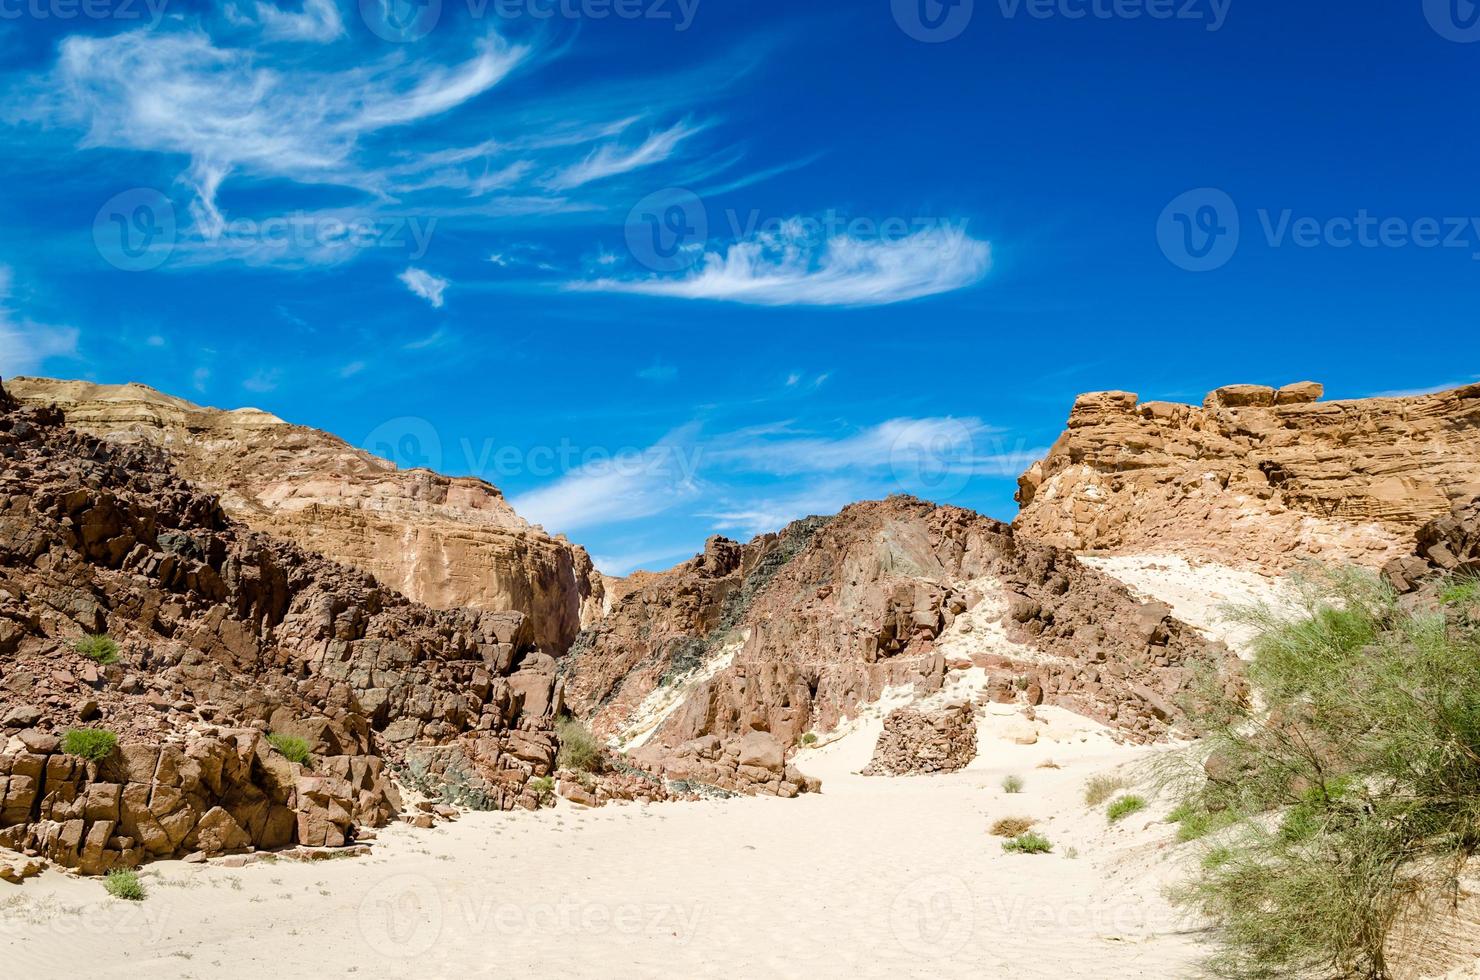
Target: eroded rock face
[[445, 542], [707, 669], [1256, 474], [916, 742], [222, 634], [1449, 545]]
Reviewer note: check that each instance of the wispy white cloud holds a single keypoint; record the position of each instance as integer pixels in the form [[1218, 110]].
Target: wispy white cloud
[[1429, 390], [425, 285], [789, 268], [25, 345], [318, 21], [263, 380], [611, 159], [658, 371]]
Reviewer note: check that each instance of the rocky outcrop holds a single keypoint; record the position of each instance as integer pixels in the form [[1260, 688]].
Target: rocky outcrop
[[711, 672], [1256, 474], [222, 634], [918, 742], [442, 541], [1449, 545]]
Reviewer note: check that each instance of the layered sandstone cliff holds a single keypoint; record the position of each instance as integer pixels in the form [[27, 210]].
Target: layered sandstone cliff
[[1255, 474], [713, 671], [442, 541], [224, 634]]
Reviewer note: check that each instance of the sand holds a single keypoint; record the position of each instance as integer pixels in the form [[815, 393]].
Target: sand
[[874, 877]]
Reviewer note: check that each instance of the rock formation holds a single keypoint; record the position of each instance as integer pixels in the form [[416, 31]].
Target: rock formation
[[222, 634], [1449, 545], [443, 541], [916, 742], [712, 671], [1255, 474]]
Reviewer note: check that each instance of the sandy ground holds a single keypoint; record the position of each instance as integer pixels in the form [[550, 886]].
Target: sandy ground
[[874, 877]]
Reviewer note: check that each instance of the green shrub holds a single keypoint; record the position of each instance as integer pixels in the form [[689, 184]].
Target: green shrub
[[1124, 806], [125, 884], [1012, 784], [579, 749], [92, 744], [99, 647], [1461, 591], [810, 738], [293, 748], [1101, 788], [1357, 781], [1029, 843], [543, 788], [1195, 823]]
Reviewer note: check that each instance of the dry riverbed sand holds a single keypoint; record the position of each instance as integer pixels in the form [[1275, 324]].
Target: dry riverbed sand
[[874, 877]]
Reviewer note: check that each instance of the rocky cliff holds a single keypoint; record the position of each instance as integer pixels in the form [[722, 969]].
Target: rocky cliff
[[713, 671], [446, 542], [1255, 474], [217, 635]]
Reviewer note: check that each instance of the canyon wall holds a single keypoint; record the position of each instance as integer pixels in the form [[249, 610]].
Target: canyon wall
[[1255, 474], [443, 541], [223, 635]]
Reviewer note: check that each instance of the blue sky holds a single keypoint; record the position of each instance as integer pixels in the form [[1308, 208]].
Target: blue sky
[[709, 266]]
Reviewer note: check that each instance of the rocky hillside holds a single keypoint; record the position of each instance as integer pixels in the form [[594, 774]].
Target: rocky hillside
[[1255, 474], [714, 670], [446, 542], [215, 636]]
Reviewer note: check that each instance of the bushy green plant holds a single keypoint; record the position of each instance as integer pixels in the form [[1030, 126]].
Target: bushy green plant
[[92, 744], [1357, 779], [1012, 784], [1124, 806], [1194, 822], [1029, 843], [543, 788], [293, 748], [1461, 591], [809, 738], [579, 749], [98, 647], [1101, 788], [124, 883]]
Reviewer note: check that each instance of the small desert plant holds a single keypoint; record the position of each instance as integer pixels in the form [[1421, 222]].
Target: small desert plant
[[579, 749], [1101, 788], [1194, 822], [125, 884], [1029, 843], [1461, 591], [293, 748], [98, 647], [1012, 784], [1124, 806], [810, 738], [92, 744], [1012, 826], [1049, 764], [543, 788]]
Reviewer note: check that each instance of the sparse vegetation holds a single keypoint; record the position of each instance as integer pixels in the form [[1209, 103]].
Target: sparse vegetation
[[809, 738], [543, 788], [1028, 843], [293, 748], [1012, 826], [1101, 788], [92, 744], [1461, 591], [98, 647], [1012, 784], [124, 883], [1049, 764], [1124, 806], [1352, 795], [579, 749]]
